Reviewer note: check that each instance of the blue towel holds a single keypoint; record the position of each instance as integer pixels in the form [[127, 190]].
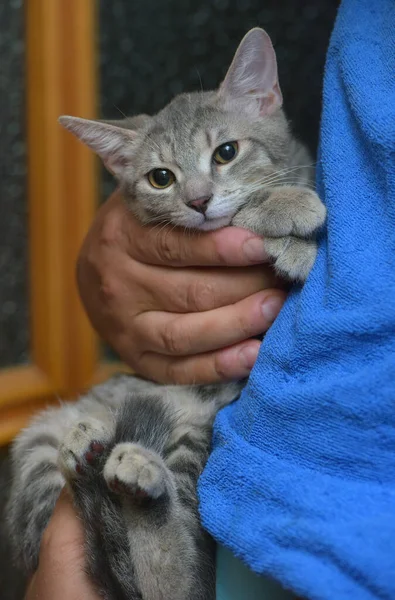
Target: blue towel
[[301, 481]]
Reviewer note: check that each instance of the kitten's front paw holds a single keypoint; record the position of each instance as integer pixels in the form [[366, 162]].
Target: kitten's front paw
[[82, 446], [293, 211], [288, 210], [302, 210], [292, 257], [136, 472], [310, 214]]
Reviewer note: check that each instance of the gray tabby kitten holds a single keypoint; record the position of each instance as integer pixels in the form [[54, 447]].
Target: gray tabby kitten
[[131, 451]]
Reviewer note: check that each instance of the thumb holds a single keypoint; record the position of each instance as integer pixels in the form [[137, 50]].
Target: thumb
[[61, 571], [65, 528]]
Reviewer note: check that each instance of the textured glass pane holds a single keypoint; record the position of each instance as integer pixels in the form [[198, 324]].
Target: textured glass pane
[[150, 51], [14, 326]]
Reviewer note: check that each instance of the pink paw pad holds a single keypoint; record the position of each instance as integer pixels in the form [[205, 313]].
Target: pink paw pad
[[95, 449], [115, 485], [90, 457], [119, 487]]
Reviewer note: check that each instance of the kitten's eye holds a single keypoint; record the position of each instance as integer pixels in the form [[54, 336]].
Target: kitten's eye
[[225, 153], [161, 178]]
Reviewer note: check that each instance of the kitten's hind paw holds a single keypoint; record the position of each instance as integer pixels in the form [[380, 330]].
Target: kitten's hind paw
[[136, 472], [82, 448]]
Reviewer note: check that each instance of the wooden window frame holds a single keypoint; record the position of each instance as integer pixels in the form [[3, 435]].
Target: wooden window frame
[[61, 72]]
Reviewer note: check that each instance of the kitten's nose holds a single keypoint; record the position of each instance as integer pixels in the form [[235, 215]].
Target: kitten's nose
[[200, 204]]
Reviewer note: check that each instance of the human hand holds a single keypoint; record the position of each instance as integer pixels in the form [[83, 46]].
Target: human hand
[[61, 572], [167, 300]]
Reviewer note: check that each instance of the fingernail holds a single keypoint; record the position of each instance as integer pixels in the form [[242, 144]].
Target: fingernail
[[254, 250], [248, 356], [271, 307]]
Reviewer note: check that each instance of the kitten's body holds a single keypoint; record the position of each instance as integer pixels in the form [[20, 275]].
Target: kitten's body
[[131, 451], [124, 439]]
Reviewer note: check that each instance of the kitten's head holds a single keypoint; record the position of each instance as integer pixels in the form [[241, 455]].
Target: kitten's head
[[200, 159]]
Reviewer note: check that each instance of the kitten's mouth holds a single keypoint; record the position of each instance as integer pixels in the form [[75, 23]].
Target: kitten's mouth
[[214, 223]]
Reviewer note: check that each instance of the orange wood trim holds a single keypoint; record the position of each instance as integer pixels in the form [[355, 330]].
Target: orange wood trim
[[61, 79], [80, 178], [45, 197], [62, 197], [26, 390], [19, 384], [14, 418], [107, 369], [15, 413]]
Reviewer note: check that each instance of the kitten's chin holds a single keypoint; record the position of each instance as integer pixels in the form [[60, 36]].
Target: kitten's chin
[[211, 224]]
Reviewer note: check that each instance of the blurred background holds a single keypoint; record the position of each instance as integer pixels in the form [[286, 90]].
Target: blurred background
[[104, 58]]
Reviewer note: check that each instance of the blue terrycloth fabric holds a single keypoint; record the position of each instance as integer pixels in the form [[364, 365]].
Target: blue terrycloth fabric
[[301, 481]]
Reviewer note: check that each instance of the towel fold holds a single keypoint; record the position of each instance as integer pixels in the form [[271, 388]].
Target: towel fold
[[301, 481]]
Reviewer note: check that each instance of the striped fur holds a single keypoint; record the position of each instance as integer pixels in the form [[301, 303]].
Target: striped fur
[[135, 487]]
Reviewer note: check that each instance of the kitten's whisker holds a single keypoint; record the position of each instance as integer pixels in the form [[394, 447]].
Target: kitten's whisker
[[161, 223], [294, 185], [277, 178], [277, 185], [200, 79], [151, 146], [157, 219], [291, 181], [119, 110], [284, 172], [279, 181], [258, 185], [154, 146], [295, 167], [166, 224]]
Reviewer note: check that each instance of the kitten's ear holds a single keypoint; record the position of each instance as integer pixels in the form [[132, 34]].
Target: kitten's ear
[[253, 73], [137, 122], [112, 143]]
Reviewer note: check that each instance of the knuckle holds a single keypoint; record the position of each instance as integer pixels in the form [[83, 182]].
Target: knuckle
[[219, 370], [94, 257], [174, 342], [172, 373], [244, 326], [108, 289], [87, 264], [177, 373], [201, 296], [109, 232], [168, 247]]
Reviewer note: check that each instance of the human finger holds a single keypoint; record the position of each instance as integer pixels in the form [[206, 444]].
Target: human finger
[[185, 290], [195, 333], [230, 246], [227, 364]]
